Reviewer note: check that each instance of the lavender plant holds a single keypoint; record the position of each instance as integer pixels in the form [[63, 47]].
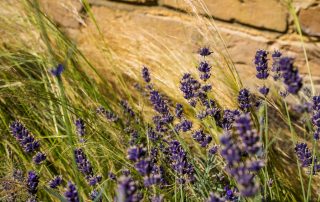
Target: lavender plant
[[154, 146]]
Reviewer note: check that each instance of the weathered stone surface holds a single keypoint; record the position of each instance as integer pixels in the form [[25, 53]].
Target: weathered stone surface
[[310, 21], [269, 14], [64, 12], [143, 2], [166, 41]]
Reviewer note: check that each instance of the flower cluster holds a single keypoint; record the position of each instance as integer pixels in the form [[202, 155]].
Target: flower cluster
[[109, 115], [244, 100], [32, 182], [261, 62], [189, 86], [71, 193], [202, 138], [126, 108], [145, 165], [316, 116], [57, 71], [184, 125], [205, 51], [146, 75], [239, 155], [275, 64], [55, 182], [128, 190], [228, 118], [24, 137], [85, 167], [204, 69], [27, 141], [305, 157], [249, 136], [39, 157], [179, 162], [290, 75], [80, 127]]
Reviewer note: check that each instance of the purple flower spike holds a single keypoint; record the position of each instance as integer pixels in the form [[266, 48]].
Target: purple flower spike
[[204, 68], [57, 71], [214, 198], [244, 100], [126, 108], [228, 118], [205, 51], [290, 75], [71, 193], [159, 104], [213, 150], [264, 90], [179, 162], [189, 86], [275, 64], [83, 163], [135, 153], [230, 150], [127, 190], [185, 126], [39, 157], [80, 127], [55, 182], [32, 182], [249, 136], [146, 74], [304, 154], [202, 138], [24, 137], [179, 110], [261, 63]]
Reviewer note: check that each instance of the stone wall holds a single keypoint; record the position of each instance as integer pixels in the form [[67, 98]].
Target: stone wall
[[245, 25]]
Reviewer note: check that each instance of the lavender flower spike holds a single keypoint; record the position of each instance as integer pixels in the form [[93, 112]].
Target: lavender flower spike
[[32, 182], [261, 63], [244, 100], [39, 157], [83, 163], [57, 71], [290, 75], [71, 193], [55, 182], [249, 136], [127, 190], [205, 51], [24, 137], [80, 127], [146, 74]]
